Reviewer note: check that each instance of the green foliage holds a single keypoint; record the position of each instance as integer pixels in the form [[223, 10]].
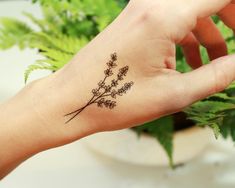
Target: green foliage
[[68, 25], [228, 127], [162, 129], [56, 50], [78, 17], [13, 32], [210, 113]]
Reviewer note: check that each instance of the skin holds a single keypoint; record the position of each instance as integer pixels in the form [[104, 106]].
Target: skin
[[144, 37]]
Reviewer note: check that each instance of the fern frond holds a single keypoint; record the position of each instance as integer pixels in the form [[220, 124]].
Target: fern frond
[[215, 127], [222, 97], [36, 21], [231, 87], [210, 107], [60, 42], [37, 66], [57, 50], [162, 129], [58, 58], [210, 113], [13, 32]]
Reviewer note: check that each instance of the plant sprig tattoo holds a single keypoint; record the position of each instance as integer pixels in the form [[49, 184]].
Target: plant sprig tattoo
[[104, 95]]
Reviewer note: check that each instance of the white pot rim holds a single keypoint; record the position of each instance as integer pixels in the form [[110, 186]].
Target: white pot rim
[[125, 146]]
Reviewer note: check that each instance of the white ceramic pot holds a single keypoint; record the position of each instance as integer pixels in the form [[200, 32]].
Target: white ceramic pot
[[127, 147]]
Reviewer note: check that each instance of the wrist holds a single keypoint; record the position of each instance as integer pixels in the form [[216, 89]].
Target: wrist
[[20, 137], [33, 120]]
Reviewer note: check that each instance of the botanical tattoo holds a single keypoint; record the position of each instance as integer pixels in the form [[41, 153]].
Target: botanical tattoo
[[105, 95]]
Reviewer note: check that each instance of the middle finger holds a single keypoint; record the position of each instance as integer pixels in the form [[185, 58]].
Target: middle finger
[[210, 37], [227, 15]]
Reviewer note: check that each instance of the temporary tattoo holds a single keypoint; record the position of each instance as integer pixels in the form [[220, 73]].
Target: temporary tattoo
[[105, 95]]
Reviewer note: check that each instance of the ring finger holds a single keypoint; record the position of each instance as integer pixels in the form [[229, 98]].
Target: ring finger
[[191, 50]]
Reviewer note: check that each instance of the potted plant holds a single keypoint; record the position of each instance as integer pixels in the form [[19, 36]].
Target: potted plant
[[67, 26]]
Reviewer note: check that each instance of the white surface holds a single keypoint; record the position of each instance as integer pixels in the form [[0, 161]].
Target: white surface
[[146, 151], [74, 166]]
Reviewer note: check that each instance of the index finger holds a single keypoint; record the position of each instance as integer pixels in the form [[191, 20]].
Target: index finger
[[205, 8]]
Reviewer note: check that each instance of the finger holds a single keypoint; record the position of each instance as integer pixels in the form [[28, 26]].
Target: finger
[[227, 15], [205, 8], [191, 50], [208, 79], [210, 37], [189, 12]]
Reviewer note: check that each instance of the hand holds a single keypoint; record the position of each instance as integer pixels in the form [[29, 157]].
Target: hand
[[144, 38]]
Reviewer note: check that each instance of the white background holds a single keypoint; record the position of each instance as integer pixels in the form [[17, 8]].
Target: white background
[[75, 166]]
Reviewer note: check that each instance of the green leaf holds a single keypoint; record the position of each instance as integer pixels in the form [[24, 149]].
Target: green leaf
[[223, 96], [13, 32], [210, 107], [216, 129], [57, 50], [58, 42], [37, 22], [162, 129], [231, 86], [228, 126], [37, 66], [210, 113]]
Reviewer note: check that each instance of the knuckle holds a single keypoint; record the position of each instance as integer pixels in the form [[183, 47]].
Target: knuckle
[[147, 13], [178, 97], [221, 80], [186, 18], [152, 15], [148, 17], [181, 99]]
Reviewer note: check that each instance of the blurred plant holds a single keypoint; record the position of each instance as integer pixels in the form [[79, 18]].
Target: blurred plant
[[68, 25]]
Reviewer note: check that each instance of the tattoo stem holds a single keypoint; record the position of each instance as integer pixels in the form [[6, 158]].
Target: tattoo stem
[[81, 109], [90, 102], [78, 112]]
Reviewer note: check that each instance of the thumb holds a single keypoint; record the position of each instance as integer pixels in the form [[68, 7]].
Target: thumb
[[209, 79]]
